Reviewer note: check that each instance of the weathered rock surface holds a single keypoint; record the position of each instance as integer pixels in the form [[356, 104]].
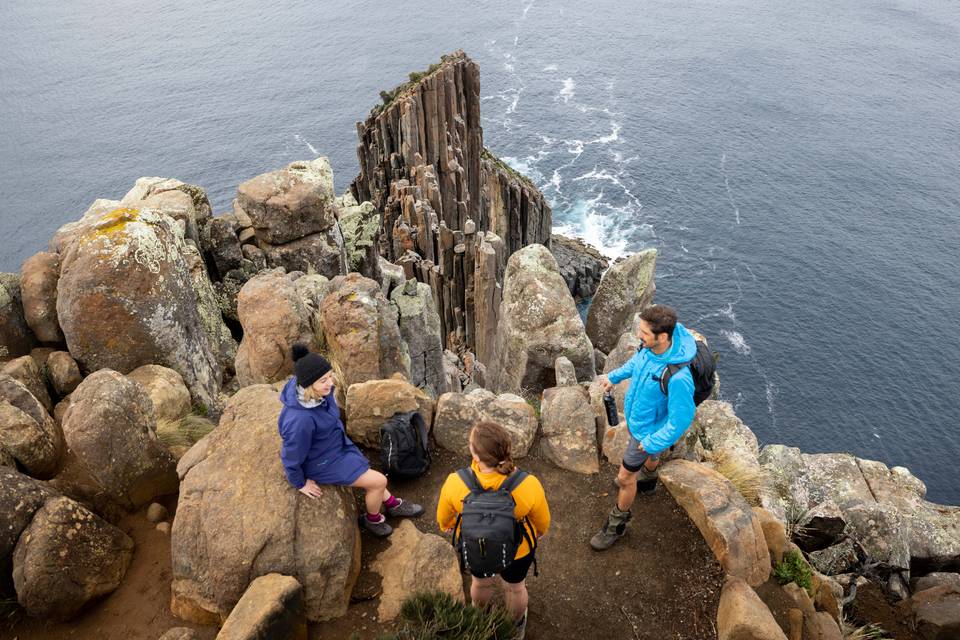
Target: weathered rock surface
[[38, 286], [774, 534], [420, 329], [361, 331], [937, 579], [180, 633], [238, 518], [412, 563], [271, 607], [360, 226], [370, 404], [114, 460], [224, 244], [565, 372], [569, 429], [458, 412], [67, 557], [742, 615], [726, 521], [16, 338], [26, 371], [219, 338], [291, 203], [581, 265], [20, 498], [274, 316], [321, 252], [539, 323], [63, 373], [187, 204], [936, 612], [883, 508], [627, 288], [170, 397], [27, 432], [125, 297]]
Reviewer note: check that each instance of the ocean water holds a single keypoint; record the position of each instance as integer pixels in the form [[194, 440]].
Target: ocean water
[[797, 165]]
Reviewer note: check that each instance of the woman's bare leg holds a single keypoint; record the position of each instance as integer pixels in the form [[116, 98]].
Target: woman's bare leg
[[375, 485]]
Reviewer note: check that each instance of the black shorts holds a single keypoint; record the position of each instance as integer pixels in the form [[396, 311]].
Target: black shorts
[[516, 571]]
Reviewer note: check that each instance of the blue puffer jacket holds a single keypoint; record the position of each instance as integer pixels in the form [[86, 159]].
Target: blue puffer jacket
[[658, 421], [315, 444]]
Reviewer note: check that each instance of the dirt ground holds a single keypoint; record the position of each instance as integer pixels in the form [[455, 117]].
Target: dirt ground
[[661, 581]]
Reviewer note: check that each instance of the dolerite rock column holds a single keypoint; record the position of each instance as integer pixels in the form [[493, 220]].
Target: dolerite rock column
[[581, 265], [423, 164]]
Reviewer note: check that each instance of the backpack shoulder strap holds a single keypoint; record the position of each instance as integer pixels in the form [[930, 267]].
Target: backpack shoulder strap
[[470, 479], [513, 480], [668, 372], [421, 426]]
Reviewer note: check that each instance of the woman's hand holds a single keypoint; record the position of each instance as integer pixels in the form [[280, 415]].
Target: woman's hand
[[311, 489]]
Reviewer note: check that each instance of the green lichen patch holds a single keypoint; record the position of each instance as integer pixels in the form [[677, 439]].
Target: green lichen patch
[[415, 77]]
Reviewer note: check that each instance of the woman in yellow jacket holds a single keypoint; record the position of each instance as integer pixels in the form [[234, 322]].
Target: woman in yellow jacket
[[492, 464]]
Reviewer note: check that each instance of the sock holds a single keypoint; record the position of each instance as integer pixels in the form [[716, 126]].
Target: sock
[[374, 517], [391, 502]]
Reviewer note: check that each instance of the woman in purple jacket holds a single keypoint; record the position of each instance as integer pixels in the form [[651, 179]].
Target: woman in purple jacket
[[316, 449]]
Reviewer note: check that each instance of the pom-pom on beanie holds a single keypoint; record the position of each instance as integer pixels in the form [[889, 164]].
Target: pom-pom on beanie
[[308, 366]]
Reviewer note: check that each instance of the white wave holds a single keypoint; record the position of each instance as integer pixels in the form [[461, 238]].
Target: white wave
[[726, 183], [588, 219], [550, 67], [574, 146], [614, 134], [567, 91], [313, 150], [555, 181], [737, 341], [771, 393]]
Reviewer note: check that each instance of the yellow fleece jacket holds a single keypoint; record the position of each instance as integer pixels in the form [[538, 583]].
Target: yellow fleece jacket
[[530, 499]]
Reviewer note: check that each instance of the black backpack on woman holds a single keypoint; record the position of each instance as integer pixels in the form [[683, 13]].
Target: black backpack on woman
[[486, 534]]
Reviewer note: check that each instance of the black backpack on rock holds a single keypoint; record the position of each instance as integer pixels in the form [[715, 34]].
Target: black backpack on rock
[[703, 369], [403, 446], [486, 534]]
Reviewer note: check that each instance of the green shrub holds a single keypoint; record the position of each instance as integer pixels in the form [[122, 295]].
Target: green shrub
[[793, 568], [437, 616]]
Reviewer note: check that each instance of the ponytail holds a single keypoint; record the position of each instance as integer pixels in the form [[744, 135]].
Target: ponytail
[[491, 442]]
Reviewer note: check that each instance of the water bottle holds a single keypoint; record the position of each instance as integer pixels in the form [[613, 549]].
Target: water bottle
[[613, 417]]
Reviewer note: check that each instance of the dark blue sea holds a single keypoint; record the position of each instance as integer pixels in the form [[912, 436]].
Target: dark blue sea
[[797, 164]]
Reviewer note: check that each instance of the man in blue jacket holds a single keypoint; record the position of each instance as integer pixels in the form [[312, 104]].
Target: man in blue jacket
[[655, 421]]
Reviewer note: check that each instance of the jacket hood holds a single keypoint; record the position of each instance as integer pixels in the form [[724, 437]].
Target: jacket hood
[[288, 396], [682, 349]]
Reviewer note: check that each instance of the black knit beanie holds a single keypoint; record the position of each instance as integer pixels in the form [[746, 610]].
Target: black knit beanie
[[308, 367]]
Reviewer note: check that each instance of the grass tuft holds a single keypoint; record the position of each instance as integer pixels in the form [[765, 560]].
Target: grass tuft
[[180, 435], [750, 480], [793, 568], [437, 616], [865, 632]]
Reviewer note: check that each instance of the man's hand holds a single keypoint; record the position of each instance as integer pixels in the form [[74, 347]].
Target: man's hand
[[605, 383], [311, 489]]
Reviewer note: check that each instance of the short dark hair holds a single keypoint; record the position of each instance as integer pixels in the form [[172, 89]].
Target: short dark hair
[[661, 318]]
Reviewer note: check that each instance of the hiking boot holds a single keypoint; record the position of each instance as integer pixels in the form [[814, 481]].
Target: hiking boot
[[404, 510], [613, 529], [522, 626], [380, 529]]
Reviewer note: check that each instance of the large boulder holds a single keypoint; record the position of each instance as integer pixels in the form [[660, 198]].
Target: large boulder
[[420, 329], [458, 412], [322, 253], [238, 518], [20, 498], [360, 225], [125, 297], [415, 562], [626, 289], [38, 285], [581, 265], [291, 203], [271, 607], [361, 331], [63, 373], [274, 316], [936, 612], [187, 204], [370, 404], [16, 339], [26, 371], [538, 323], [66, 558], [742, 615], [729, 526], [114, 460], [569, 429], [27, 432], [170, 397]]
